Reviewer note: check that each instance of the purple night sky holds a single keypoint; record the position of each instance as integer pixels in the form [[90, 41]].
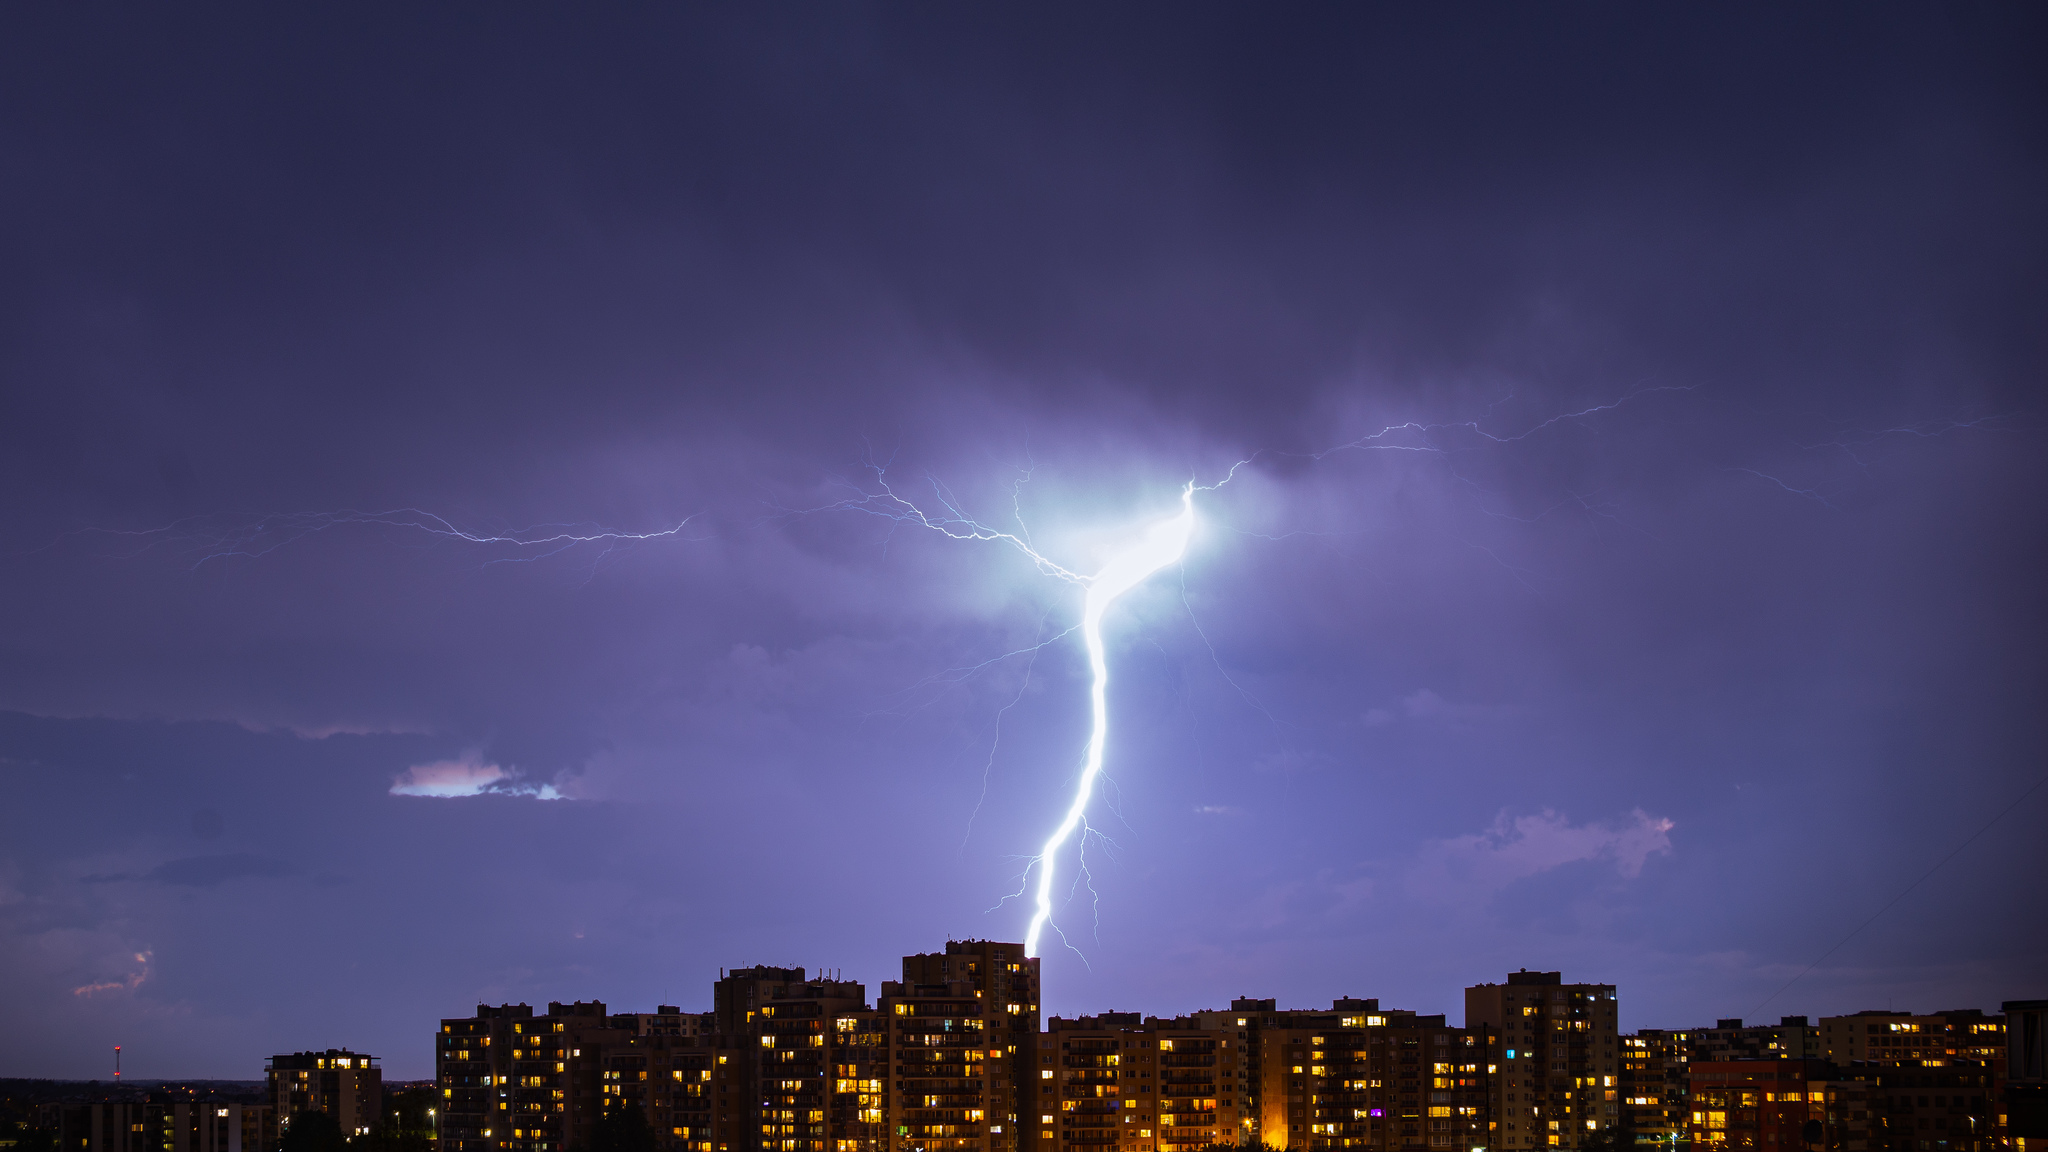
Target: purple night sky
[[1695, 612]]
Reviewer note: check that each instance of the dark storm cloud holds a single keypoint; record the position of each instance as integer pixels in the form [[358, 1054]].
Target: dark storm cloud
[[1694, 612]]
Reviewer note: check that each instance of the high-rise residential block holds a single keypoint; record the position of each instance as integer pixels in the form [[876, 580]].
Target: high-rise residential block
[[962, 1027], [1270, 1031], [1558, 1045], [1654, 1085], [1356, 1076], [346, 1085], [513, 1081], [785, 1042], [1119, 1083]]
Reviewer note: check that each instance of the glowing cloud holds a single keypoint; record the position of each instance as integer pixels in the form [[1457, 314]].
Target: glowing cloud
[[468, 775], [128, 984]]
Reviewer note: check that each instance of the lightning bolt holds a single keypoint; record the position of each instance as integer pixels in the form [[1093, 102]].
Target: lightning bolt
[[221, 537], [1158, 546]]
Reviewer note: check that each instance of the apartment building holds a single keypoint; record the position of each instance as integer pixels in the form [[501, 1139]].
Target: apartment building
[[1558, 1046], [1654, 1086], [513, 1081], [669, 1078], [1772, 1105], [961, 1030], [2026, 1070], [1792, 1038], [1255, 1021], [798, 1053], [165, 1122], [108, 1127], [1379, 1079], [197, 1124], [346, 1085], [1119, 1083], [1005, 983], [1924, 1106], [1900, 1037]]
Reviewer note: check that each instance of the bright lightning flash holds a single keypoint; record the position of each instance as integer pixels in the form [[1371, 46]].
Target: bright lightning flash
[[1157, 547]]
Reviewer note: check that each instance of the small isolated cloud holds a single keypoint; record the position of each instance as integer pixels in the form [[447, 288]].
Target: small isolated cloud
[[1213, 810], [1523, 846], [468, 775], [128, 983]]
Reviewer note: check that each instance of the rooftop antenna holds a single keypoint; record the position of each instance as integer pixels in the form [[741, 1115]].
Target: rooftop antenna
[[117, 1063]]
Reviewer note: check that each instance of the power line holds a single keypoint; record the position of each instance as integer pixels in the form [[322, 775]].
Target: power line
[[1903, 891]]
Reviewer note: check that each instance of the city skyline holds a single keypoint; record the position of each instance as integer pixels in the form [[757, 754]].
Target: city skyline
[[503, 504], [957, 1057]]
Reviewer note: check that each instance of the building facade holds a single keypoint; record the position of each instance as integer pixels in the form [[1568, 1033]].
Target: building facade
[[165, 1122], [1116, 1083], [202, 1125], [1775, 1105], [1559, 1058], [1791, 1038], [108, 1127], [1949, 1107], [513, 1081], [1939, 1076], [784, 1062], [1654, 1086], [1901, 1037], [2026, 1072], [346, 1085], [962, 1028]]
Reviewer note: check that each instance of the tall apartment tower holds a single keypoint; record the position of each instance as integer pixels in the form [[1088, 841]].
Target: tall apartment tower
[[513, 1081], [1558, 1081], [962, 1030], [1115, 1083], [346, 1085], [938, 1064], [797, 1065]]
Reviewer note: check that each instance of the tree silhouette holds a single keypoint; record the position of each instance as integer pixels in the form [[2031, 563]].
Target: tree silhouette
[[623, 1130], [312, 1132]]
